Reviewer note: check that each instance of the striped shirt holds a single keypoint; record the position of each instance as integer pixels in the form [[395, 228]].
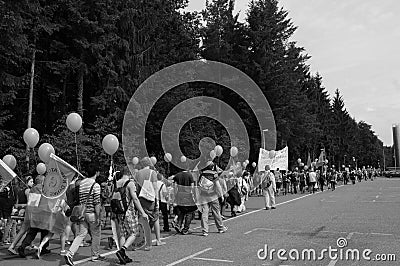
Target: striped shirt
[[94, 198]]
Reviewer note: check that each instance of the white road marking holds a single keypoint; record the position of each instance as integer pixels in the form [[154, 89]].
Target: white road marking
[[381, 234], [113, 252], [90, 258], [189, 257], [380, 201], [349, 235], [332, 262], [207, 259]]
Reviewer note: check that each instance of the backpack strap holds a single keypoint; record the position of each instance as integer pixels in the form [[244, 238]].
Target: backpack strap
[[130, 198], [77, 184], [90, 192], [126, 183]]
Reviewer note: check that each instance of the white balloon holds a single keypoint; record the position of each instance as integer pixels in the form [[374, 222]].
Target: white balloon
[[218, 150], [254, 164], [247, 162], [41, 168], [168, 157], [153, 160], [212, 154], [234, 151], [135, 160], [183, 158], [74, 122]]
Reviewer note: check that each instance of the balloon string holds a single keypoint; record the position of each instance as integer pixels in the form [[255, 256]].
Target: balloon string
[[34, 155], [76, 153]]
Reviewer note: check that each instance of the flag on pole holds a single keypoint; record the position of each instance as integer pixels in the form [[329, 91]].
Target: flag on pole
[[47, 208], [59, 175], [321, 159], [309, 160], [6, 174]]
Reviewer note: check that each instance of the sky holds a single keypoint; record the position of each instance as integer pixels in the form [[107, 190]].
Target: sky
[[355, 46]]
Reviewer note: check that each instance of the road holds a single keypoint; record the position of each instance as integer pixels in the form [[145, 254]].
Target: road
[[358, 218]]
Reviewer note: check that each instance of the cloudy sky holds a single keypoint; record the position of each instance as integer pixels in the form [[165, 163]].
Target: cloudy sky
[[355, 46]]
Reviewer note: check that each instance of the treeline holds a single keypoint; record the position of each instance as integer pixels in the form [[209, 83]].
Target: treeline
[[90, 56]]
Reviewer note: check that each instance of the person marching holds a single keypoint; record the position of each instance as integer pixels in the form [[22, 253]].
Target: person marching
[[269, 188], [210, 191], [126, 209]]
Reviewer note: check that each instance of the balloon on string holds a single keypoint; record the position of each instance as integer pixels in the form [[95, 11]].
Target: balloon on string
[[254, 164], [218, 150], [135, 160], [31, 137], [212, 154], [153, 160], [44, 152], [299, 161], [234, 151], [271, 154], [183, 158], [41, 168], [247, 162], [10, 161], [74, 122], [244, 164], [110, 144], [168, 157]]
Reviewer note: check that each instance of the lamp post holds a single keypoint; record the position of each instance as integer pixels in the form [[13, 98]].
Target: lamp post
[[263, 134]]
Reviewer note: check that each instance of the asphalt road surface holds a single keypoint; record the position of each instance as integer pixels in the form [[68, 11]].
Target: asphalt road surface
[[361, 219]]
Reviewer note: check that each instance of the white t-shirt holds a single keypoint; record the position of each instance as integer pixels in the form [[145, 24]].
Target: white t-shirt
[[313, 177]]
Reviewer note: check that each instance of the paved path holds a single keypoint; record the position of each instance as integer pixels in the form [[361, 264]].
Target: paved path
[[361, 217]]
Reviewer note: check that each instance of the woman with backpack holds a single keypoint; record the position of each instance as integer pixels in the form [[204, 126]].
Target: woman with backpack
[[126, 209]]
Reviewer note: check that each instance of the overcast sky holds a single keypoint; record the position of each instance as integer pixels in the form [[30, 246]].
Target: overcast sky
[[355, 46]]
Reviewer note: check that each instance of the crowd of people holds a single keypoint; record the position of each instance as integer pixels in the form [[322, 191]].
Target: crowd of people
[[131, 199]]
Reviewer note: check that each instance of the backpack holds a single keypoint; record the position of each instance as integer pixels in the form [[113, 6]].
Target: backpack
[[206, 181], [266, 182], [78, 211], [72, 194], [119, 203]]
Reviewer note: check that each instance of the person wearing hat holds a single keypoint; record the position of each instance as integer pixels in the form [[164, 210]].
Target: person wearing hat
[[269, 188]]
